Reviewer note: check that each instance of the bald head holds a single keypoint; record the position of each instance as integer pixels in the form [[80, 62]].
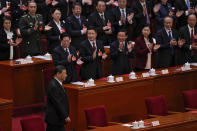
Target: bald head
[[168, 22]]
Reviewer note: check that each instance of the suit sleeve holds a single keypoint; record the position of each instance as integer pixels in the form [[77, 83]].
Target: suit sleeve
[[84, 56], [56, 97], [159, 39], [71, 30], [57, 59]]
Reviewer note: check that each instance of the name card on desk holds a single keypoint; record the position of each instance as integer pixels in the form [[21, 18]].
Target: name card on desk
[[119, 79], [155, 123], [145, 74], [165, 71]]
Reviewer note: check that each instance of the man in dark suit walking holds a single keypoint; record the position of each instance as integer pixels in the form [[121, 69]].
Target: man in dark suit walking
[[187, 51], [76, 25], [102, 22], [91, 52], [57, 110], [167, 40], [65, 55]]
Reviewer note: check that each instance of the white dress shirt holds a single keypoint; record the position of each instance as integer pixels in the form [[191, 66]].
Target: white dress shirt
[[9, 37]]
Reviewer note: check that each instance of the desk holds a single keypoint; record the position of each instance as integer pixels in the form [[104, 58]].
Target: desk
[[176, 122], [22, 82], [5, 114], [124, 101]]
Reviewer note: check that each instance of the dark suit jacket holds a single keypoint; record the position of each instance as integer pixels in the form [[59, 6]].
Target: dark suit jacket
[[120, 60], [96, 21], [166, 52], [163, 12], [139, 16], [116, 15], [57, 104], [60, 58], [53, 35], [91, 68], [141, 52], [74, 29], [184, 53], [181, 5], [4, 46], [44, 10]]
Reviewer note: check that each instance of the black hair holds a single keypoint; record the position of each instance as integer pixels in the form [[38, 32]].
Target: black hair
[[123, 30], [92, 28], [76, 4], [64, 35], [149, 37], [54, 9], [59, 69], [99, 1]]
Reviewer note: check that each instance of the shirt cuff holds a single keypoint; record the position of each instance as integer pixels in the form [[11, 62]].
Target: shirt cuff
[[82, 32], [119, 23], [186, 12], [130, 22], [0, 12], [190, 47]]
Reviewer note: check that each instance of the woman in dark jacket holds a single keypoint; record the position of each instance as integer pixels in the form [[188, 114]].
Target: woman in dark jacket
[[8, 41]]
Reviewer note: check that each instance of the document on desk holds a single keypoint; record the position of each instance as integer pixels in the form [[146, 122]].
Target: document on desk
[[78, 83]]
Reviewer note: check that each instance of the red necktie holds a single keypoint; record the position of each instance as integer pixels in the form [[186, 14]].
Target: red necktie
[[94, 46]]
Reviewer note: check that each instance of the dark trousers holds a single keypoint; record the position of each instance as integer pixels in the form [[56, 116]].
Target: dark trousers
[[55, 127]]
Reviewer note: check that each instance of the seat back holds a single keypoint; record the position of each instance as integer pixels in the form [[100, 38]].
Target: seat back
[[96, 116], [34, 123], [156, 105], [1, 129], [190, 98]]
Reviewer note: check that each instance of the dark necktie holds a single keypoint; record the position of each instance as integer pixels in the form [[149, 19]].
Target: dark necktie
[[94, 46], [103, 19], [170, 38], [192, 40], [147, 16], [123, 14], [79, 20]]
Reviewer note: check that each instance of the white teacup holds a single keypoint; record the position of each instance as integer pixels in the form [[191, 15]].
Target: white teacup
[[91, 81], [48, 56], [141, 124], [132, 75], [111, 78], [135, 124], [28, 58], [187, 66], [152, 71]]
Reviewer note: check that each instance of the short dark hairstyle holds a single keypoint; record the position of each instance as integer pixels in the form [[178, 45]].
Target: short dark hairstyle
[[54, 9], [191, 15], [123, 30], [92, 28], [168, 17], [31, 1], [76, 4], [7, 18], [100, 1], [59, 69], [64, 35]]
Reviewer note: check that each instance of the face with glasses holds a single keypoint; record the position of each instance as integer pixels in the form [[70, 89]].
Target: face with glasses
[[65, 43], [77, 10]]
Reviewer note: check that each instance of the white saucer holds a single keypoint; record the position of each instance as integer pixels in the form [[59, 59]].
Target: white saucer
[[142, 127], [132, 77], [153, 74], [111, 81], [135, 128]]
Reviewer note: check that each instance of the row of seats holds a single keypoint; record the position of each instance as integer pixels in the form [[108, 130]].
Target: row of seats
[[156, 106], [97, 117]]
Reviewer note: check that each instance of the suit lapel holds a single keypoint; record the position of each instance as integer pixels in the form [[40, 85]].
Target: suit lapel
[[56, 28]]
